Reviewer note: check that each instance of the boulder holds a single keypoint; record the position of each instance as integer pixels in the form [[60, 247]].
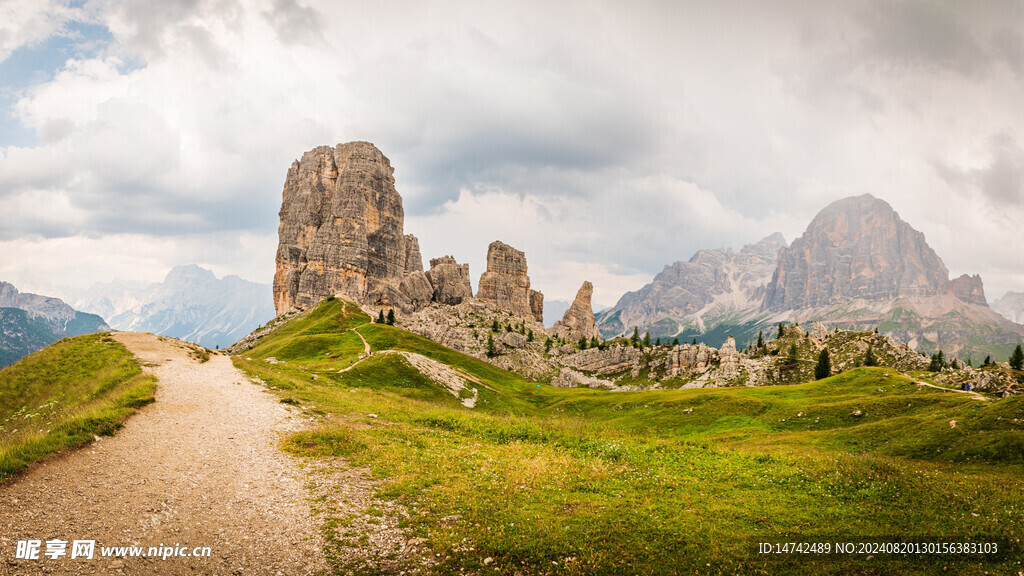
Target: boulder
[[449, 281]]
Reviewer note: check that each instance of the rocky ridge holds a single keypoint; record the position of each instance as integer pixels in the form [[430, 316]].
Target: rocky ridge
[[342, 234], [690, 296]]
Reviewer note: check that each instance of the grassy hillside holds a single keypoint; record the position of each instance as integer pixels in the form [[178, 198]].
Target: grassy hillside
[[64, 394], [542, 480]]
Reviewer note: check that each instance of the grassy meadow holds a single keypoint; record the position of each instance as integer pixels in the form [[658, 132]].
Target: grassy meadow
[[63, 395], [542, 480]]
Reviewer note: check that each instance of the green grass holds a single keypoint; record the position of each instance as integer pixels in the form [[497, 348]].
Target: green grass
[[65, 394], [552, 481]]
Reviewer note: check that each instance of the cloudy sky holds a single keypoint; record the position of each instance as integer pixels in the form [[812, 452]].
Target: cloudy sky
[[604, 139]]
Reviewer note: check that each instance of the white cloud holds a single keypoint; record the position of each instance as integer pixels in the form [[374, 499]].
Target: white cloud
[[29, 23]]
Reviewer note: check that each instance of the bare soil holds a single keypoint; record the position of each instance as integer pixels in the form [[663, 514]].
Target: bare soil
[[199, 467]]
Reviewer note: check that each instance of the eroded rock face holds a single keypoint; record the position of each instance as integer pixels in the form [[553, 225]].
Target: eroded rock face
[[506, 285], [450, 281], [608, 361], [578, 320], [969, 289], [341, 228], [416, 287], [855, 248], [413, 260]]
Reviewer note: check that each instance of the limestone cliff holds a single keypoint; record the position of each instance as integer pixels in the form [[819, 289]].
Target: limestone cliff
[[857, 247], [506, 285], [341, 229]]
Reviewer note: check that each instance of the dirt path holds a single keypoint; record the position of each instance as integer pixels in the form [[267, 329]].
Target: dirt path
[[366, 345], [971, 393], [200, 467]]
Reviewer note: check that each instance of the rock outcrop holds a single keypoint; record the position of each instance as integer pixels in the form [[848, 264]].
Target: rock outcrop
[[729, 359], [819, 332], [341, 230], [417, 289], [578, 320], [449, 280], [855, 248], [969, 289], [506, 285]]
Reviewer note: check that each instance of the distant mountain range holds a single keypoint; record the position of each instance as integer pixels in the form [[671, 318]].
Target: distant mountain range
[[857, 265], [191, 303], [1011, 306], [29, 322]]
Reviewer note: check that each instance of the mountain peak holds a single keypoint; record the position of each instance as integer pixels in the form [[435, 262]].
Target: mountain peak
[[189, 273], [856, 247]]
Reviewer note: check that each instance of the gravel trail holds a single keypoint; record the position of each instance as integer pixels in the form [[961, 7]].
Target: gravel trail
[[199, 467]]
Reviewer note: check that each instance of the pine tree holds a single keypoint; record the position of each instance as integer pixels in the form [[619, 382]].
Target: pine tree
[[782, 331], [876, 329], [760, 339], [529, 335], [936, 363], [547, 344], [970, 364], [824, 367], [658, 341], [987, 361], [491, 351], [647, 338], [869, 358], [1017, 358], [636, 335], [675, 341], [583, 342], [793, 354], [380, 317], [694, 343], [593, 342], [391, 317], [942, 360], [494, 326]]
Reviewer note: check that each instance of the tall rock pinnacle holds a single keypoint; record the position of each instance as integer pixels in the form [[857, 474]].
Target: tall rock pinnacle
[[506, 285], [578, 321], [341, 228]]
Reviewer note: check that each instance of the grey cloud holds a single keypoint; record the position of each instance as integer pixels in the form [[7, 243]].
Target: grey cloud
[[295, 23], [1010, 45], [922, 33], [1001, 182]]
